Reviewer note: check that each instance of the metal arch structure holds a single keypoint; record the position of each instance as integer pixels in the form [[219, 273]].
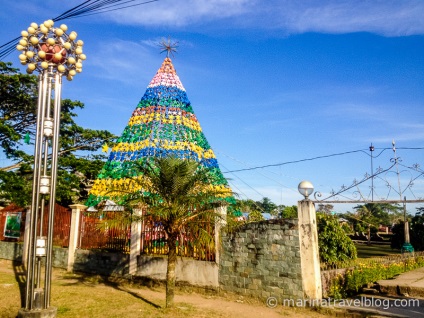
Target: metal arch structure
[[354, 193]]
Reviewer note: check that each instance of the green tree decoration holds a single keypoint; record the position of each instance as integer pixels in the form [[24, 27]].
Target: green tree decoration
[[162, 125]]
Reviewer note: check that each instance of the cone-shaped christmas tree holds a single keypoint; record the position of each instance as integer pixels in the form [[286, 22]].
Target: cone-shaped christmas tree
[[163, 124]]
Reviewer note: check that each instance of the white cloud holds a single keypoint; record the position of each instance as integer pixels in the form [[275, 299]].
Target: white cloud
[[123, 61], [182, 13], [389, 18], [385, 17]]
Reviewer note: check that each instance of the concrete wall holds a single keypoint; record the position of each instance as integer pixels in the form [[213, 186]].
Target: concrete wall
[[188, 271], [262, 259], [13, 251], [102, 263]]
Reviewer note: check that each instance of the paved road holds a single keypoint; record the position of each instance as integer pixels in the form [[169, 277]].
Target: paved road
[[410, 284], [402, 296], [386, 306]]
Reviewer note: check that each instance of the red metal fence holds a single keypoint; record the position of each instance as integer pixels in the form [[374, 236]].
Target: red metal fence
[[96, 233], [154, 242], [61, 223]]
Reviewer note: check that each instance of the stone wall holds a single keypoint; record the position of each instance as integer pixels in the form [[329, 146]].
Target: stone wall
[[262, 259], [327, 278], [102, 263]]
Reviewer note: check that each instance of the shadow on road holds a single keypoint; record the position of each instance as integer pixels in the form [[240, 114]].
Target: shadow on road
[[20, 276], [114, 282]]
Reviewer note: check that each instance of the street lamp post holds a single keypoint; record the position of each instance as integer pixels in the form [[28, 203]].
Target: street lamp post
[[372, 173], [306, 189], [54, 54], [406, 247]]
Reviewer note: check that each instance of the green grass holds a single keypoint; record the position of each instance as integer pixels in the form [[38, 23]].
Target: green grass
[[367, 251], [79, 295]]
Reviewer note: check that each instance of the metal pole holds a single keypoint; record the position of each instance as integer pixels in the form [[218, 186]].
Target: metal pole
[[32, 235], [407, 247], [53, 53], [406, 222], [55, 146], [372, 173]]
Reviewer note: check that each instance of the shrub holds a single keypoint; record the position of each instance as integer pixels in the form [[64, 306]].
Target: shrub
[[366, 273], [334, 245]]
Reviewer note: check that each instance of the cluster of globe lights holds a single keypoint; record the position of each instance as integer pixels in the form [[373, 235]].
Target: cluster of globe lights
[[44, 46]]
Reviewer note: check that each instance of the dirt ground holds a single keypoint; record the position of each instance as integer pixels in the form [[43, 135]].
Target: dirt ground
[[80, 295]]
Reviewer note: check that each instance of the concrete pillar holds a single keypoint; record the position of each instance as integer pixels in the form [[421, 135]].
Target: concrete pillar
[[26, 236], [220, 222], [74, 233], [135, 248], [309, 253]]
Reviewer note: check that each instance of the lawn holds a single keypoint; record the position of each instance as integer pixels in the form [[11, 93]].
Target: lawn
[[79, 295], [367, 251]]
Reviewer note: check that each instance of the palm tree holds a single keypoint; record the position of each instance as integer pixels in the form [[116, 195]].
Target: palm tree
[[181, 199]]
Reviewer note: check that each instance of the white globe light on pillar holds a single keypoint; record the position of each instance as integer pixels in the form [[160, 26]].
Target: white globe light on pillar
[[306, 189]]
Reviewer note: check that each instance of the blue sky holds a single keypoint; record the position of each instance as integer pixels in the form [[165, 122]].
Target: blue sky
[[270, 82]]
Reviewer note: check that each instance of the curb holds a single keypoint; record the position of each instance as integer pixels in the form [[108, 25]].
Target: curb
[[397, 290], [361, 312]]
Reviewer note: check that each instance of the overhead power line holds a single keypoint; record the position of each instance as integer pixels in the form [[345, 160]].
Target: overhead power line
[[315, 158], [86, 8], [97, 7]]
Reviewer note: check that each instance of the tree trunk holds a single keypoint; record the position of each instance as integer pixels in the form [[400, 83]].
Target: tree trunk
[[170, 273]]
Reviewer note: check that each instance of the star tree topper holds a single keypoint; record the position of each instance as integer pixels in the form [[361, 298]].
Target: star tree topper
[[168, 46]]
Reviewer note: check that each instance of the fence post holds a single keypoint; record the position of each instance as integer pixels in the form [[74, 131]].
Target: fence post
[[74, 233], [222, 220], [309, 253], [135, 247], [26, 235]]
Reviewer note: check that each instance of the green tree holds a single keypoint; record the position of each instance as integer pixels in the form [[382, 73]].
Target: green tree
[[15, 186], [334, 244], [369, 216], [289, 212], [267, 206], [178, 199], [255, 216], [248, 206], [326, 208], [18, 100], [377, 213], [416, 232]]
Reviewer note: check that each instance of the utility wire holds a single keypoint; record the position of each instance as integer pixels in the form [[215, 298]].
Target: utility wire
[[105, 9], [315, 158], [86, 8], [247, 184], [261, 173]]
